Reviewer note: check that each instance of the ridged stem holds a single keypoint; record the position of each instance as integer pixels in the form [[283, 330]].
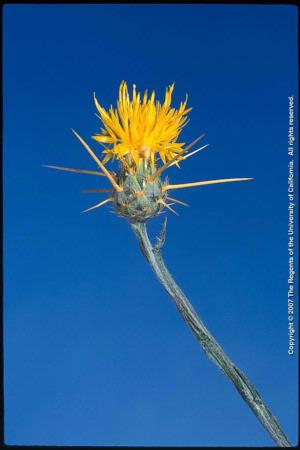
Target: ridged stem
[[211, 347]]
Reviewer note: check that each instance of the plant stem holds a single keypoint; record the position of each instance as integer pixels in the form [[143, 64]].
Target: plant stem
[[213, 350]]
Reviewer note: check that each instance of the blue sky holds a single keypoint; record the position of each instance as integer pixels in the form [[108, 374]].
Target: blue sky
[[95, 351]]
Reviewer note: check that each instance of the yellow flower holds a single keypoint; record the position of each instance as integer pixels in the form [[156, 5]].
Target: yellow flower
[[142, 127]]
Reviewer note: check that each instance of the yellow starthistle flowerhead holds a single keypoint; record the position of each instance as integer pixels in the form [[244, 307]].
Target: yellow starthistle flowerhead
[[142, 127], [141, 133]]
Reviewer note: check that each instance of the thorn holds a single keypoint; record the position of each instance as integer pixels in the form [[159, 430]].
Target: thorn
[[173, 160], [88, 191], [100, 164], [202, 183], [167, 206], [191, 154], [98, 205], [67, 169], [195, 142], [177, 201]]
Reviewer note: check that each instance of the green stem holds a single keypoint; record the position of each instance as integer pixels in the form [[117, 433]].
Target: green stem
[[213, 350]]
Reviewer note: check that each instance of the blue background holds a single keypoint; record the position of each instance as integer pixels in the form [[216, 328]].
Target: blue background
[[95, 351]]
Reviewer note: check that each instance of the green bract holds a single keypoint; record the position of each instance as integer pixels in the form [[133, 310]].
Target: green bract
[[140, 199]]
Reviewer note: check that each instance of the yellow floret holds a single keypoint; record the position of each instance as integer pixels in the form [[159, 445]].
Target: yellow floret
[[142, 127]]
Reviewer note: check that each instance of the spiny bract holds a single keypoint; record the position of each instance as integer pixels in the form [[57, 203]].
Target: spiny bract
[[141, 134]]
